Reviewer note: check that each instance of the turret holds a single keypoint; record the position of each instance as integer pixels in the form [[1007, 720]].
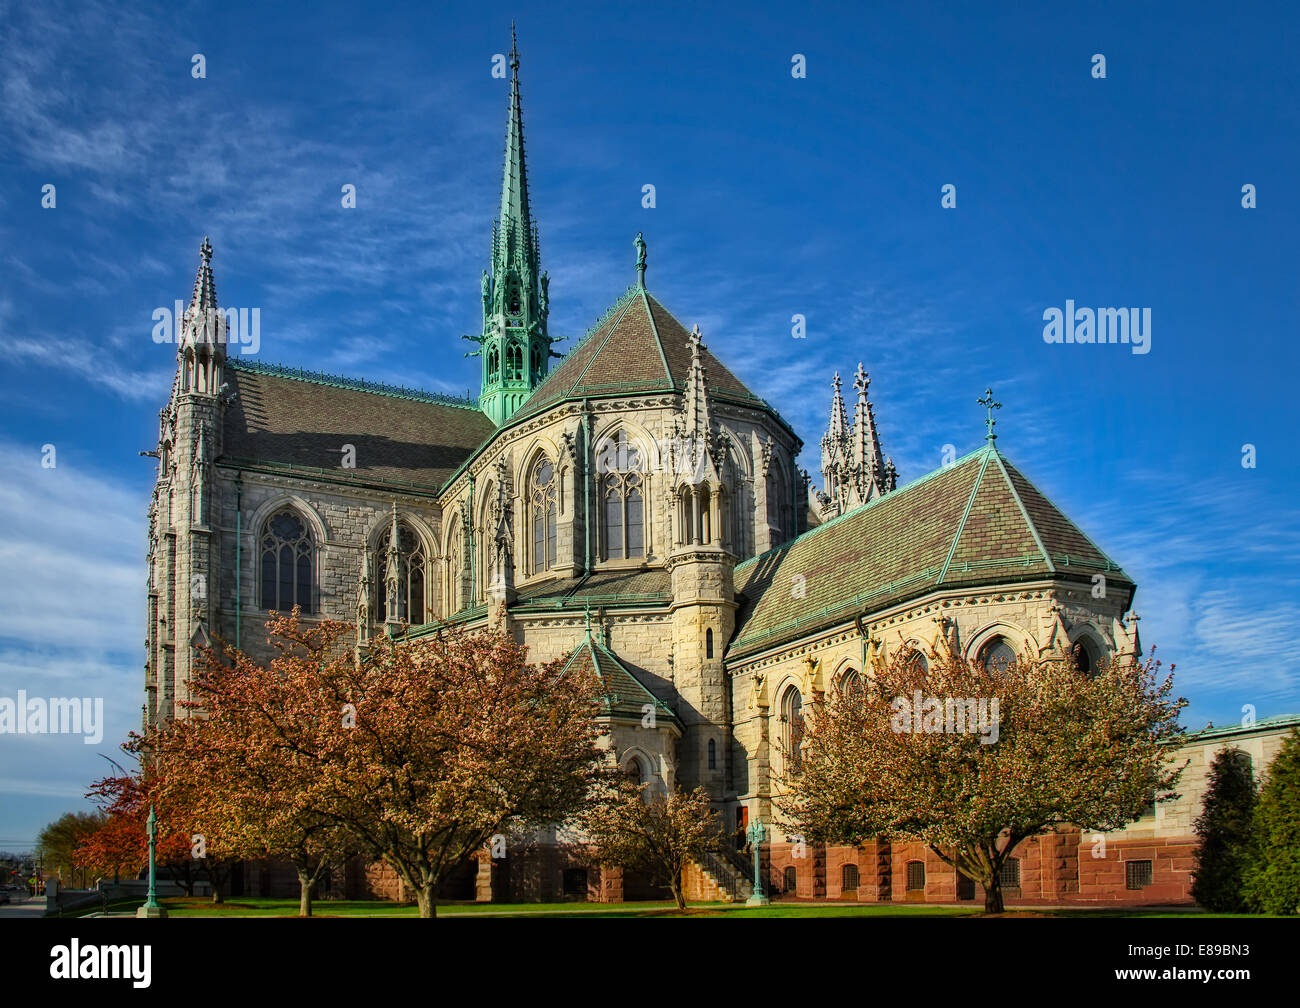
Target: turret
[[704, 600], [184, 580]]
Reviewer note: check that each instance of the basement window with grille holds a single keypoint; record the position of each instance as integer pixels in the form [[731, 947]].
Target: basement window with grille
[[1137, 874], [916, 876], [1009, 873], [849, 878]]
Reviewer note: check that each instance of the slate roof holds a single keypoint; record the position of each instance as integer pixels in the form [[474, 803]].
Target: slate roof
[[626, 696], [977, 521], [611, 587], [302, 419], [637, 346]]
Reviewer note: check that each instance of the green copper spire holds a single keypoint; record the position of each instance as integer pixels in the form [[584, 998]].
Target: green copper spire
[[514, 345]]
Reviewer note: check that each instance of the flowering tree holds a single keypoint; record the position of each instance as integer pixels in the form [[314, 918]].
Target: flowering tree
[[416, 756], [243, 765], [1050, 746], [120, 844], [658, 835], [449, 740]]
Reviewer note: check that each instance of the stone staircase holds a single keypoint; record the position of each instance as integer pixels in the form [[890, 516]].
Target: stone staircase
[[726, 871]]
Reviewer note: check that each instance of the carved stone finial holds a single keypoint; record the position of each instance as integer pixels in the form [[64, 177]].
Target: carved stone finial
[[640, 259], [861, 382]]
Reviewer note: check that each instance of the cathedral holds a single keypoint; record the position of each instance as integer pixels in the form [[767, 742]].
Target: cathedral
[[630, 506]]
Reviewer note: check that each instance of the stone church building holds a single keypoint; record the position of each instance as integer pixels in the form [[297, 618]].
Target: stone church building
[[631, 505]]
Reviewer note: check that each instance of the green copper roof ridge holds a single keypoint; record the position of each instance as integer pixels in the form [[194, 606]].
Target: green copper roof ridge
[[1033, 529], [353, 384], [746, 643], [1225, 731], [926, 477], [1086, 538], [591, 360], [604, 317], [654, 328], [596, 645], [970, 503]]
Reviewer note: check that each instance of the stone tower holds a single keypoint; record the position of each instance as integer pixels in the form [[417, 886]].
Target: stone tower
[[183, 547], [704, 605], [514, 344]]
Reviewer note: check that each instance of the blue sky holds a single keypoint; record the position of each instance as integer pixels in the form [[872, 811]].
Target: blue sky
[[775, 196]]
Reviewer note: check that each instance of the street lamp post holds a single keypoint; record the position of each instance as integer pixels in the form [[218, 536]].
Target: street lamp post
[[756, 835], [152, 908]]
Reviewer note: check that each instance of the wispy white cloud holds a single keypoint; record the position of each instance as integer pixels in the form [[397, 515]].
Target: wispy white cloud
[[72, 545]]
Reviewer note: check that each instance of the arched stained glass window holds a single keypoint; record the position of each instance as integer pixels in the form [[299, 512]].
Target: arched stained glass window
[[792, 725], [286, 548], [998, 654], [1085, 656], [455, 570], [543, 498], [622, 487], [411, 574]]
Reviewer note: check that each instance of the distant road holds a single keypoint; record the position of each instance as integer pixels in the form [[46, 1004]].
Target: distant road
[[33, 906]]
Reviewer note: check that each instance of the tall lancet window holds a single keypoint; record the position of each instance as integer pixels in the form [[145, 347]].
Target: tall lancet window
[[286, 562], [622, 488], [543, 508], [780, 507], [792, 727], [412, 565], [454, 594]]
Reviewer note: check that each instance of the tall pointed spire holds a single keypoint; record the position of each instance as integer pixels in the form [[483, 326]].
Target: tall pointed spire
[[201, 348], [515, 224], [868, 461], [698, 418], [514, 345], [836, 453], [853, 466], [204, 297]]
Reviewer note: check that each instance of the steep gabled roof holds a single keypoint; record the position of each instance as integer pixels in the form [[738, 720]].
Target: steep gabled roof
[[638, 346], [299, 419], [978, 521], [625, 695]]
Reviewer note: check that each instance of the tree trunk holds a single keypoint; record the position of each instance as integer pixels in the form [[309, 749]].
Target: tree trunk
[[426, 899], [305, 882], [677, 893], [993, 895]]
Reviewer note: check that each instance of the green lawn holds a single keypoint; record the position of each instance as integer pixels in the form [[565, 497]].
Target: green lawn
[[256, 907]]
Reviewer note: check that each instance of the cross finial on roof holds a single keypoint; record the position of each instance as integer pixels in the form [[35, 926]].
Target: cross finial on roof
[[988, 403]]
